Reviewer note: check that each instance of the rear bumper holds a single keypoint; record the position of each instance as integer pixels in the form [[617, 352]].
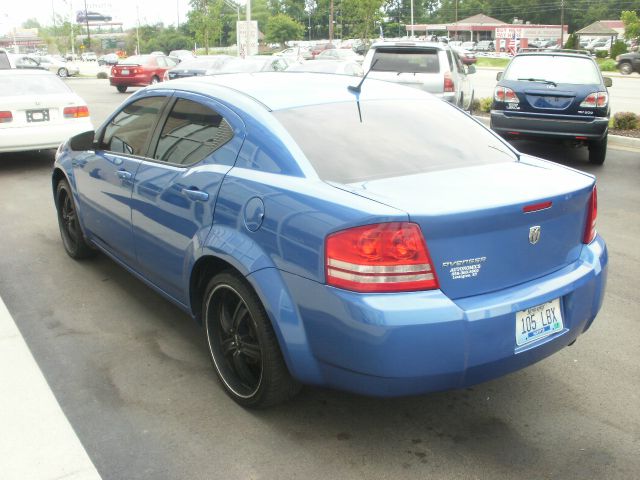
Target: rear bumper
[[41, 137], [412, 343], [130, 81], [560, 127]]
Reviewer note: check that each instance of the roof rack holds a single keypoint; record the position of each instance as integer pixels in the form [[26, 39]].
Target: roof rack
[[558, 50]]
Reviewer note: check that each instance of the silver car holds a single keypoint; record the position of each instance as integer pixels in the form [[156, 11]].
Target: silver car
[[429, 66], [56, 65]]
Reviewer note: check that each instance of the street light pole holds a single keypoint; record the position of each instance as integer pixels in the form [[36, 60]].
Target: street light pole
[[561, 23], [248, 32], [86, 20]]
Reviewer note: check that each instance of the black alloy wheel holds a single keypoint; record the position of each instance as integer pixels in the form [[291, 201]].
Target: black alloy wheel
[[242, 344], [72, 237]]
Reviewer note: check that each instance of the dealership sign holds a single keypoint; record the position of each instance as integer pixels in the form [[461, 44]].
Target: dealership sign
[[524, 31]]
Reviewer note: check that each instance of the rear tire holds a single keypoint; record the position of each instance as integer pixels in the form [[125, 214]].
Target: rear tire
[[242, 344], [626, 68], [121, 88], [72, 237], [598, 151]]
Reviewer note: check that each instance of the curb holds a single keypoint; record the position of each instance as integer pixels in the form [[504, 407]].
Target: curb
[[614, 140]]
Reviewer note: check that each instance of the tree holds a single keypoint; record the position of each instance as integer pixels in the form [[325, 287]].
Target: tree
[[281, 28], [206, 20], [631, 25], [31, 23], [362, 16]]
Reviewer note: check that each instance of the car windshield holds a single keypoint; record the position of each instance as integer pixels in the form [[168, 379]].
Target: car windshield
[[395, 138], [135, 60], [554, 68], [16, 84], [405, 60]]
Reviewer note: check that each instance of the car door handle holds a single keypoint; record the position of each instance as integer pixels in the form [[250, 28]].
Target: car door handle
[[124, 175], [196, 195]]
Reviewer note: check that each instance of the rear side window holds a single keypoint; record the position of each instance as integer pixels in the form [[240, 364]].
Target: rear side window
[[395, 138], [191, 133], [406, 60], [130, 129]]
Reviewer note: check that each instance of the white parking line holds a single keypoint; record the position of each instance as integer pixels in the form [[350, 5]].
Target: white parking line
[[37, 441]]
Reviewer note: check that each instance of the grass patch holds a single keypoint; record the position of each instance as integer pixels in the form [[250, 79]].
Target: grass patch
[[492, 62]]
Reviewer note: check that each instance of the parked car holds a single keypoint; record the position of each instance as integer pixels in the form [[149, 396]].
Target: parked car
[[55, 65], [38, 111], [139, 71], [598, 42], [89, 57], [340, 54], [204, 65], [317, 49], [467, 57], [23, 61], [485, 46], [108, 59], [255, 63], [328, 66], [468, 45], [628, 63], [182, 54], [83, 16], [5, 60], [554, 95], [295, 53], [389, 256], [428, 66]]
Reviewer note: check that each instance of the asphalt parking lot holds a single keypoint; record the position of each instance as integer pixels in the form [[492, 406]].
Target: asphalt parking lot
[[131, 372]]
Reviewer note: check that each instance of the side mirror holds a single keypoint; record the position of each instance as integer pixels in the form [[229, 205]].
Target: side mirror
[[608, 82], [499, 76], [83, 141], [471, 69]]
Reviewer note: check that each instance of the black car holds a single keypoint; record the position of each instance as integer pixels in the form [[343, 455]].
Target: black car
[[628, 63], [553, 95], [84, 16]]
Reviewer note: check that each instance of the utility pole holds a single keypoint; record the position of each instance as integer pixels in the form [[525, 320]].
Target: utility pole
[[456, 37], [331, 22], [412, 23], [248, 26], [561, 23]]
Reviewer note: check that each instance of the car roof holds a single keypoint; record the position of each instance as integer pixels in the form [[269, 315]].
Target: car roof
[[410, 44], [283, 90], [555, 53]]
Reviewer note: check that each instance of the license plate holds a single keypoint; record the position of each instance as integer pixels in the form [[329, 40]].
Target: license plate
[[37, 115], [538, 322], [124, 72]]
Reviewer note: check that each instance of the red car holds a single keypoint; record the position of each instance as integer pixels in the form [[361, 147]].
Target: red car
[[139, 71]]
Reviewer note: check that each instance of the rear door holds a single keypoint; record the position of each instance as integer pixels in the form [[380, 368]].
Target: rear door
[[105, 178], [176, 189]]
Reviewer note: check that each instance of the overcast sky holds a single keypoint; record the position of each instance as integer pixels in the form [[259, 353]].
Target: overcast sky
[[15, 12]]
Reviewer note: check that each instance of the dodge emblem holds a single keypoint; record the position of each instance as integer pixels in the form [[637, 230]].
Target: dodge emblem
[[534, 234]]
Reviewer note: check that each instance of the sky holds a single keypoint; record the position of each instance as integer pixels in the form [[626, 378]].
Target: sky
[[14, 12]]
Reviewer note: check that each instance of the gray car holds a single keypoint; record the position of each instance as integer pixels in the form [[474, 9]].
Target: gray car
[[429, 66]]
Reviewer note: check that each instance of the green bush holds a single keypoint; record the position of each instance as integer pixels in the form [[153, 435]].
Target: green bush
[[602, 54], [626, 121], [475, 105], [618, 48], [572, 43], [102, 75], [485, 104], [608, 65]]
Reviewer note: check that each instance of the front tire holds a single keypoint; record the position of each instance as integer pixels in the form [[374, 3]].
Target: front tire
[[598, 151], [72, 237], [121, 88], [63, 72], [242, 344], [626, 68]]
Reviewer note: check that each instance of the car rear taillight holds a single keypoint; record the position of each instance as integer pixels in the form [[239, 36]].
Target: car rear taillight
[[384, 257], [592, 214], [505, 94], [596, 99], [76, 112], [6, 117], [448, 83]]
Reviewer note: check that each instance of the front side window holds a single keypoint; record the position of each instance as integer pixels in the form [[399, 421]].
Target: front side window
[[130, 129], [191, 133]]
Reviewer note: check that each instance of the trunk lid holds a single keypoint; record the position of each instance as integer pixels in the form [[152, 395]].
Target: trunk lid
[[37, 109], [473, 221]]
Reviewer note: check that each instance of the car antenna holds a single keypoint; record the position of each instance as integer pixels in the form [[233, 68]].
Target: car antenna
[[358, 88]]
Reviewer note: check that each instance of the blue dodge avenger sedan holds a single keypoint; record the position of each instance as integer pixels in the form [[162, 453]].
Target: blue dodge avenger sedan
[[328, 234]]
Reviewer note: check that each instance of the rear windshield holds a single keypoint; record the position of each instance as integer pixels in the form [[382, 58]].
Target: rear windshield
[[395, 138], [405, 60], [135, 60], [555, 68], [16, 84]]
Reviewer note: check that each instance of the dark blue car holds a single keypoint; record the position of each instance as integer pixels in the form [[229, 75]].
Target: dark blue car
[[327, 236], [554, 95]]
